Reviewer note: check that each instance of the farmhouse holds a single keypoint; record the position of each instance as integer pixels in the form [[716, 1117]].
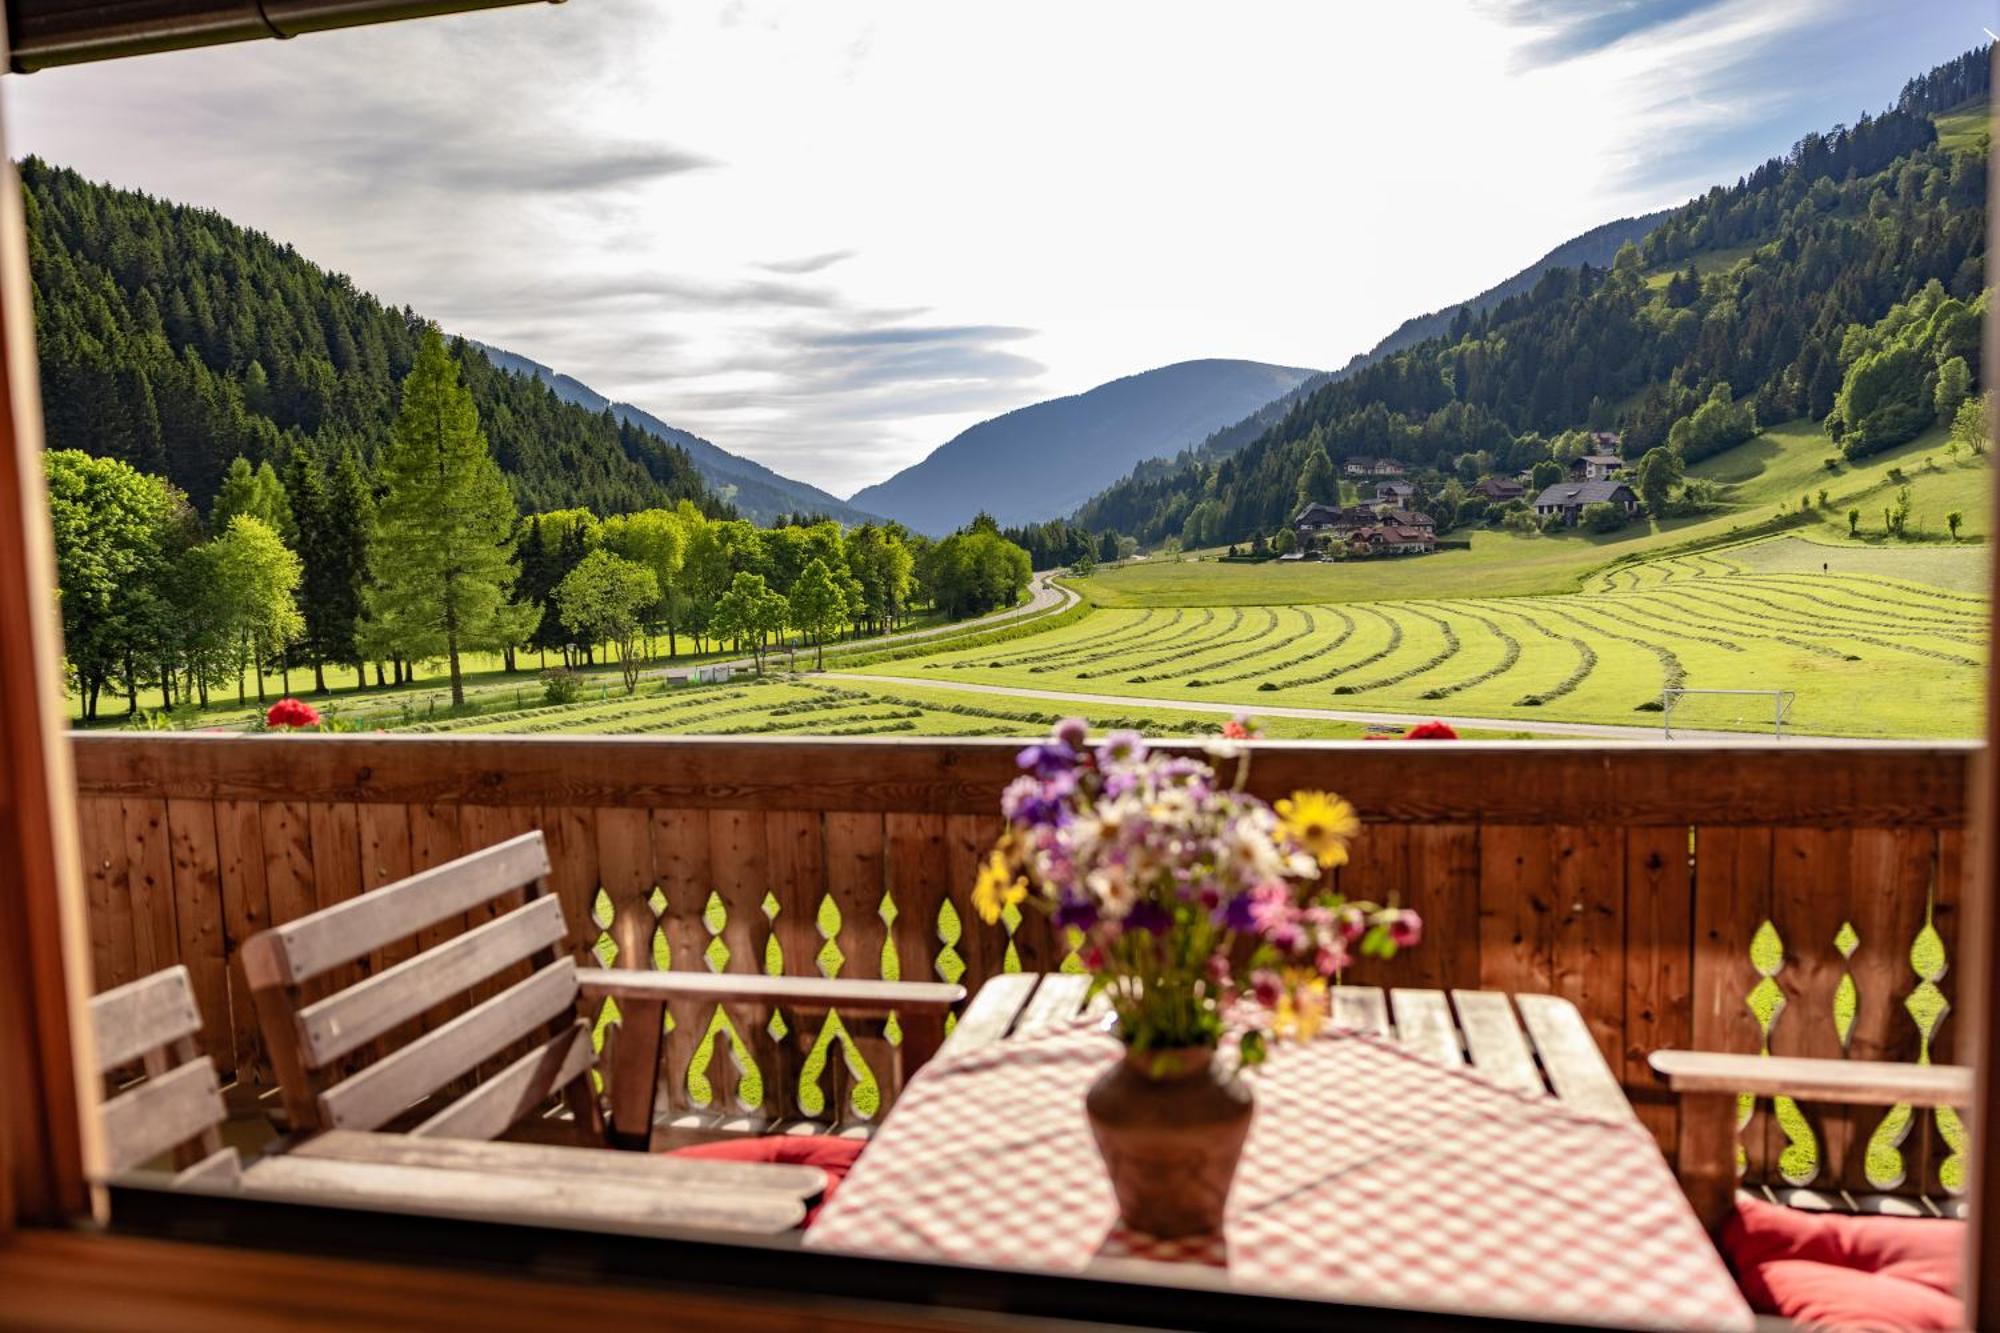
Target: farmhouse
[[1500, 490], [1393, 539], [1393, 492], [1595, 467], [1567, 499], [1363, 466], [1406, 518]]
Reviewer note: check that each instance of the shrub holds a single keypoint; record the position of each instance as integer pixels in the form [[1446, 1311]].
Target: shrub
[[560, 685], [1831, 464], [1604, 516]]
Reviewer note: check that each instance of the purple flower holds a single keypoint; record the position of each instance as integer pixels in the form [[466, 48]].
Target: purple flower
[[1047, 759], [1238, 914], [1075, 910], [1073, 732], [1148, 916], [1121, 747], [1039, 804]]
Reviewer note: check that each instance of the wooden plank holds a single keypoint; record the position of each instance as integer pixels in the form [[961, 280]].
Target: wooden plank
[[1379, 870], [1812, 897], [570, 837], [857, 881], [434, 841], [353, 929], [680, 857], [1853, 1082], [1891, 871], [1494, 1040], [920, 881], [968, 841], [376, 1094], [1732, 887], [1517, 909], [106, 861], [150, 883], [1444, 888], [197, 879], [1810, 782], [851, 996], [1424, 1025], [517, 1091], [992, 1012], [587, 1203], [142, 1016], [288, 860], [1056, 1002], [1361, 1009], [349, 1019], [1659, 969], [580, 1164], [1570, 1057], [221, 1169], [1952, 883], [795, 852], [737, 870], [145, 1121], [246, 909], [1589, 938]]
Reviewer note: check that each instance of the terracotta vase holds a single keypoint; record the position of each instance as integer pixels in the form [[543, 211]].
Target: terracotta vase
[[1170, 1126]]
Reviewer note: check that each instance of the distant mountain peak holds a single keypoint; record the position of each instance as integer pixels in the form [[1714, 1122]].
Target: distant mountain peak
[[1043, 460]]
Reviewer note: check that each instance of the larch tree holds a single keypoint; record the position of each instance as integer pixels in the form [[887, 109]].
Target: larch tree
[[443, 546], [258, 493]]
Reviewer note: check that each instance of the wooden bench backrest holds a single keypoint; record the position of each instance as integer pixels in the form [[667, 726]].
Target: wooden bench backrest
[[361, 1055], [152, 1023]]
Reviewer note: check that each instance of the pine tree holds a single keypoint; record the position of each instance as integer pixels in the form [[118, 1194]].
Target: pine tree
[[443, 556]]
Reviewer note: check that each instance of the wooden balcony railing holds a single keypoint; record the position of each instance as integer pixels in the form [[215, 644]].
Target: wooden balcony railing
[[1800, 899]]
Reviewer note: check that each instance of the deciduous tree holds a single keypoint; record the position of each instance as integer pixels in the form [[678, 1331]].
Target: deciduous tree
[[602, 600]]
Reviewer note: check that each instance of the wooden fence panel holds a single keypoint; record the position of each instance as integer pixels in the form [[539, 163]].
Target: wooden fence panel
[[1563, 869]]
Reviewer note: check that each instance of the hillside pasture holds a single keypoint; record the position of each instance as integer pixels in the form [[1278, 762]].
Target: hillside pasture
[[1868, 654]]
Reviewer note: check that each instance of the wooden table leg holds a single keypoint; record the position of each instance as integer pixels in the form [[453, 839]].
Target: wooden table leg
[[1708, 1154], [635, 1074]]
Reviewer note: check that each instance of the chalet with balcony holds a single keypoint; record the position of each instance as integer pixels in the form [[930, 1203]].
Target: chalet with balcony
[[1393, 539], [1361, 465], [1500, 490], [1595, 467], [1566, 500]]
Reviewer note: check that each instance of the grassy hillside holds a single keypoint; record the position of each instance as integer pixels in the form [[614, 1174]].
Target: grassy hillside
[[1763, 483]]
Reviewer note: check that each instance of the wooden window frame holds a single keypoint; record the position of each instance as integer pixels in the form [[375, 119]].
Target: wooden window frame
[[49, 1149]]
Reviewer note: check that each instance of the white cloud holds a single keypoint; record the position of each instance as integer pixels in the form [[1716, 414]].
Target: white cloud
[[725, 212]]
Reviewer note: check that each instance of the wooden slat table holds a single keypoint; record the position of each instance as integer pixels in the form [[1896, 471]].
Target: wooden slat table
[[1529, 1043]]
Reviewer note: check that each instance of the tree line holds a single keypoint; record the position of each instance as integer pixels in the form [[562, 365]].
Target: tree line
[[1850, 224], [426, 556]]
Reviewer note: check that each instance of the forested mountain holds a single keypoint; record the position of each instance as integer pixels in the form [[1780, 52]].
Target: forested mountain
[[757, 492], [1832, 236], [1041, 461], [175, 340]]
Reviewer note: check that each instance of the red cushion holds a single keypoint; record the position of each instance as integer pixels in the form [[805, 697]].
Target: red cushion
[[834, 1157], [1830, 1270]]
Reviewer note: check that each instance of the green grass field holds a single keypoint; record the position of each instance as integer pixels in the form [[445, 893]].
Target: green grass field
[[1871, 653]]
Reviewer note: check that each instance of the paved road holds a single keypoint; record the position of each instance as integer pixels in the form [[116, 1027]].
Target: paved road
[[1574, 730]]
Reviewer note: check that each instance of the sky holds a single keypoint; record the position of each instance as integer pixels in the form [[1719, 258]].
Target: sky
[[831, 234]]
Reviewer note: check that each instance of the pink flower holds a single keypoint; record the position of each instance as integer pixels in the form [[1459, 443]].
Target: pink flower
[[1332, 958], [1218, 969], [1267, 987], [1353, 923], [1406, 928], [291, 713], [1430, 731]]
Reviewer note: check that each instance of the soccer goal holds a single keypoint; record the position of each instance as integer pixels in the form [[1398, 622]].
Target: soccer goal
[[1725, 710]]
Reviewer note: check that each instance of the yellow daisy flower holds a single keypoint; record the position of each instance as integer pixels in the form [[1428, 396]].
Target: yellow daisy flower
[[997, 889], [1321, 823]]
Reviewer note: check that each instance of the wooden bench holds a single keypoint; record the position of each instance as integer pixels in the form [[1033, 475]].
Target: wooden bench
[[1710, 1085], [175, 1116], [476, 1029], [1537, 1044]]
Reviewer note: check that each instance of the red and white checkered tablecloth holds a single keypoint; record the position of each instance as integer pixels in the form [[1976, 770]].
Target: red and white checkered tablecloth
[[1371, 1176]]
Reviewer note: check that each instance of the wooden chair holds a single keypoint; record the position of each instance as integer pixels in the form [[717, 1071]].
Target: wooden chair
[[177, 1110], [1709, 1083], [314, 1041]]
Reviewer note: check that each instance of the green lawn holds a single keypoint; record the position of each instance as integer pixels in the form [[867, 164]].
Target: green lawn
[[1966, 128]]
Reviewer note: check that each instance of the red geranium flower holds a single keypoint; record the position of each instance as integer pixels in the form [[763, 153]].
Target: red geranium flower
[[291, 714], [1430, 731]]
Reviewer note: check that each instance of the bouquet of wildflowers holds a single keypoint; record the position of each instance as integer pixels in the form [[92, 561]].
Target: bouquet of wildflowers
[[1184, 892]]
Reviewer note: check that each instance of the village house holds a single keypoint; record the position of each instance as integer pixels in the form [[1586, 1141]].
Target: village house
[[1406, 518], [1595, 467], [1393, 492], [1393, 539], [1363, 466], [1567, 499], [1500, 490]]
